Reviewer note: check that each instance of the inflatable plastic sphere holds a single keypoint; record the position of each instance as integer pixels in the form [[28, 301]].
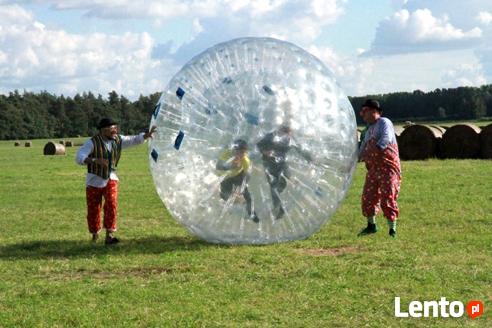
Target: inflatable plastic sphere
[[256, 143]]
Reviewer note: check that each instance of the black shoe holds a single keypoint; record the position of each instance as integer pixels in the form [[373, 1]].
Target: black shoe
[[280, 214], [255, 218], [371, 228], [111, 240], [392, 233]]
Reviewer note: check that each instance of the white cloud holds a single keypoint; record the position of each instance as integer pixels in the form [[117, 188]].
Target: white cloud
[[464, 75], [14, 14], [484, 17], [39, 54], [431, 46], [484, 55], [34, 57], [353, 74], [462, 14], [466, 16], [403, 72], [300, 20], [281, 13], [420, 31]]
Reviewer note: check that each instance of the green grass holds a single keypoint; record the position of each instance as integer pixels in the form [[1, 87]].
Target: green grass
[[160, 275]]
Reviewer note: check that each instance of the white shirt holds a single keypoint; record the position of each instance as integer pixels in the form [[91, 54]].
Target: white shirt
[[383, 131], [94, 180]]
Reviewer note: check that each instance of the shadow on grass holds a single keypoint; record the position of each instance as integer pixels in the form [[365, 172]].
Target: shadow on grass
[[78, 248]]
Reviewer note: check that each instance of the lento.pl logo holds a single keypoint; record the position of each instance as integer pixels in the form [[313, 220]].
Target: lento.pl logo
[[442, 308]]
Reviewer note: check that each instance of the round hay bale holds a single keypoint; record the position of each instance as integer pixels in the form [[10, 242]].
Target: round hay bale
[[68, 143], [28, 144], [486, 142], [52, 148], [461, 141], [439, 141], [16, 144], [440, 128], [398, 130], [407, 124], [418, 142]]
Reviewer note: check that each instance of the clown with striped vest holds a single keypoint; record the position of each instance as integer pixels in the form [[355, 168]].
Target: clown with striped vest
[[101, 155]]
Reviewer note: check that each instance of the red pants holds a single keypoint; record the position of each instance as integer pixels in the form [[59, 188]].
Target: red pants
[[381, 190], [94, 202], [383, 180]]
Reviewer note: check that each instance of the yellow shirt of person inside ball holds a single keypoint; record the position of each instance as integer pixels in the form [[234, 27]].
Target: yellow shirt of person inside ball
[[233, 163]]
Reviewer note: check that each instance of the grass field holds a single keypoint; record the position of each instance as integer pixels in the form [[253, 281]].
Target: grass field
[[160, 275]]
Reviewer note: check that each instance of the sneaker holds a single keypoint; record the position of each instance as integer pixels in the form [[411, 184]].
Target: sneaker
[[255, 217], [95, 236], [280, 214], [392, 233], [111, 240], [371, 228]]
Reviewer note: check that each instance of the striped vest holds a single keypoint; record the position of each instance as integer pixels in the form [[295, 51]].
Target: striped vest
[[100, 151]]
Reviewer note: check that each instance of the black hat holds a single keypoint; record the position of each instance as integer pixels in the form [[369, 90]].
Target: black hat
[[240, 144], [105, 122], [285, 127], [372, 104]]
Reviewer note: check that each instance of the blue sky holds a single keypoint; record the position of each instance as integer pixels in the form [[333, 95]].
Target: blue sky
[[135, 47]]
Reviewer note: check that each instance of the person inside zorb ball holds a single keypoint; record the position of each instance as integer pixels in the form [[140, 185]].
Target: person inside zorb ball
[[256, 143]]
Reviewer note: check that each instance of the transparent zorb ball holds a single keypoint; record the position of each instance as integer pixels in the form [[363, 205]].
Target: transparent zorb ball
[[299, 138]]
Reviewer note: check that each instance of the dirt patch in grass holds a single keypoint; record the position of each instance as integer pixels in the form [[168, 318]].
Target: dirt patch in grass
[[334, 251], [140, 272]]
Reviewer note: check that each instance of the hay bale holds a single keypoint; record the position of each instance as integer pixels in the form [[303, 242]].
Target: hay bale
[[440, 128], [68, 143], [28, 144], [486, 142], [461, 141], [398, 130], [439, 143], [52, 148], [62, 142], [418, 142], [16, 144]]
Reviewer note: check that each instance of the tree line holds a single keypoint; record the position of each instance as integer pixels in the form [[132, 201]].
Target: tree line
[[43, 115], [30, 115], [463, 103]]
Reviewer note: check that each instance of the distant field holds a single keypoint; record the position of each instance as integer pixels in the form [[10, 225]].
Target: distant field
[[160, 275]]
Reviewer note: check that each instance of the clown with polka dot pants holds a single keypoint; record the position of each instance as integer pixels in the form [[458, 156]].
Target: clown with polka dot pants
[[379, 152]]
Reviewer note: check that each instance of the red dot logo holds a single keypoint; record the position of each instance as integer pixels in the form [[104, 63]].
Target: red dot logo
[[474, 309]]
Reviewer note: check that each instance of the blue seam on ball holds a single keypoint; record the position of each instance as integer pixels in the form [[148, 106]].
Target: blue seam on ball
[[179, 139], [154, 154], [180, 93]]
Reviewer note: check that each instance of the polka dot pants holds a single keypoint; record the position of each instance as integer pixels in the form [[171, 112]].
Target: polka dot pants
[[383, 180], [94, 198], [381, 190]]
